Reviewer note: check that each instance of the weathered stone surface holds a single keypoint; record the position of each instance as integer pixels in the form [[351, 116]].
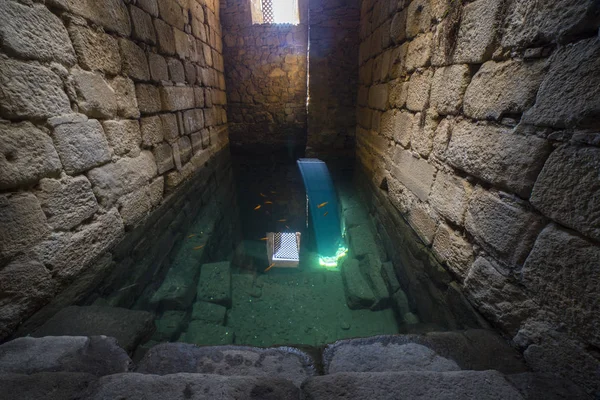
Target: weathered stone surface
[[129, 327], [96, 51], [416, 174], [81, 146], [478, 32], [370, 266], [123, 136], [209, 312], [22, 223], [184, 149], [169, 326], [497, 155], [170, 127], [143, 29], [26, 155], [378, 97], [279, 362], [560, 272], [176, 98], [165, 37], [448, 87], [418, 18], [424, 132], [454, 250], [197, 386], [164, 157], [172, 13], [116, 179], [398, 27], [568, 95], [358, 292], [206, 334], [496, 297], [135, 206], [419, 52], [66, 202], [547, 21], [377, 357], [176, 71], [449, 196], [502, 225], [44, 385], [97, 355], [214, 285], [565, 186], [135, 63], [26, 286], [111, 14], [33, 32], [158, 67], [503, 88], [150, 6], [148, 98], [398, 92], [193, 121], [388, 273], [534, 386], [30, 90], [411, 385], [152, 131], [418, 90], [95, 97], [127, 106]]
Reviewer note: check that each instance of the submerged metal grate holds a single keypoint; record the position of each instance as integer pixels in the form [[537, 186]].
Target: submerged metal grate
[[286, 247], [268, 15]]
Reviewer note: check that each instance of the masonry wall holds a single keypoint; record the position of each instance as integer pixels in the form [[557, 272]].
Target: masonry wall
[[478, 134], [333, 77], [266, 78], [106, 107]]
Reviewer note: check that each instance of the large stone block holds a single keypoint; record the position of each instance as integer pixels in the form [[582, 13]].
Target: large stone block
[[419, 52], [567, 186], [170, 127], [96, 51], [423, 132], [165, 37], [418, 18], [503, 88], [123, 136], [502, 226], [478, 32], [561, 273], [127, 106], [378, 97], [415, 173], [176, 71], [184, 147], [143, 29], [22, 223], [26, 155], [193, 121], [135, 63], [66, 202], [214, 285], [418, 90], [497, 155], [528, 23], [158, 67], [113, 180], [568, 97], [95, 97], [148, 98], [398, 27], [30, 90], [172, 13], [110, 14], [358, 292], [169, 326], [448, 87], [176, 98], [152, 131], [453, 250], [449, 196], [202, 333], [45, 385], [33, 32], [26, 286], [209, 313], [150, 6], [81, 146], [497, 298]]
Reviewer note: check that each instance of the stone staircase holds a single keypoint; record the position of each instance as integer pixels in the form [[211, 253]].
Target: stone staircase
[[474, 364]]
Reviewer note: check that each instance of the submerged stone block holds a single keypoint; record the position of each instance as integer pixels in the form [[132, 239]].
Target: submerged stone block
[[169, 326], [209, 312], [358, 292], [214, 285], [370, 266], [206, 334]]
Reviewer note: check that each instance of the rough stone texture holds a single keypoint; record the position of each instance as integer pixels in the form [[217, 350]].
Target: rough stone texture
[[358, 292], [135, 206], [26, 155], [96, 51], [192, 386], [148, 98], [419, 52], [34, 33], [81, 146], [143, 29], [477, 33], [565, 185], [163, 153], [44, 385], [66, 202], [418, 90], [151, 131], [110, 14], [30, 90], [123, 136], [568, 95], [411, 385], [449, 196], [22, 223], [278, 362], [127, 106], [214, 285], [158, 67], [504, 88], [128, 327], [96, 355], [135, 63], [497, 155], [95, 97], [416, 174], [175, 98], [545, 386], [209, 312], [207, 334], [454, 250], [448, 87]]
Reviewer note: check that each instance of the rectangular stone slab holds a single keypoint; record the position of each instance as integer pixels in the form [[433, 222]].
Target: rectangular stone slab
[[214, 285]]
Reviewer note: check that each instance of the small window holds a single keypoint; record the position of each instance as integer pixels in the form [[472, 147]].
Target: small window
[[275, 12]]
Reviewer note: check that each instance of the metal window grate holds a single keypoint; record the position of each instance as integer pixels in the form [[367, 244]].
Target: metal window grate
[[268, 15]]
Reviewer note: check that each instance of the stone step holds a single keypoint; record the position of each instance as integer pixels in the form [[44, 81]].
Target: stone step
[[475, 349], [45, 385], [408, 385], [129, 327], [96, 355], [281, 362]]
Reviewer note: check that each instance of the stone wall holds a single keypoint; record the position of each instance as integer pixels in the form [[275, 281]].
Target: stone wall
[[333, 76], [266, 78], [106, 106], [478, 134]]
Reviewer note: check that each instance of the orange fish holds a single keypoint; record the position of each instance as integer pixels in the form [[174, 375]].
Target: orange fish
[[191, 236], [270, 266], [198, 247], [262, 195], [274, 192], [268, 202], [322, 204], [326, 212], [257, 207], [287, 227], [282, 220], [265, 238]]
